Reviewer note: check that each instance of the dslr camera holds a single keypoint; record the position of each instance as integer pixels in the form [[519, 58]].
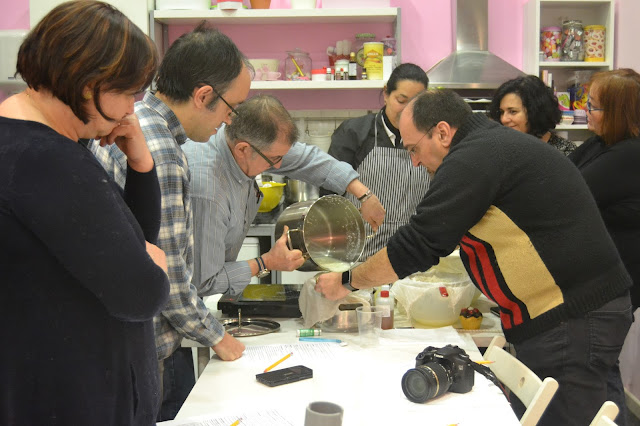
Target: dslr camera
[[437, 371]]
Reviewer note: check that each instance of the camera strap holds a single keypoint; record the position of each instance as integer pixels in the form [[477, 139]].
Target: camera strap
[[486, 372]]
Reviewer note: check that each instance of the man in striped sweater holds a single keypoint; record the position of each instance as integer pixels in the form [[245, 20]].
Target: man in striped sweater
[[531, 238]]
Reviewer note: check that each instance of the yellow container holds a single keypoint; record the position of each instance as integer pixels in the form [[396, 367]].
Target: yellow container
[[373, 52], [272, 195], [594, 40]]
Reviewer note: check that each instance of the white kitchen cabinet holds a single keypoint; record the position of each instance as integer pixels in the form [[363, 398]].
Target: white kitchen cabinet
[[136, 10], [543, 13], [268, 20]]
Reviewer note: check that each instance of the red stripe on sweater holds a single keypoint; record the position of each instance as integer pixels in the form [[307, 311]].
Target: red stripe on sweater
[[492, 282]]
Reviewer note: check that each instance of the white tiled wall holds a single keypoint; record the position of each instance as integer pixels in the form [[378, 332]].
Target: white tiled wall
[[322, 122]]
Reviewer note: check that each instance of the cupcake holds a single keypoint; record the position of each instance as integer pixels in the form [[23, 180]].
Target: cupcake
[[471, 318]]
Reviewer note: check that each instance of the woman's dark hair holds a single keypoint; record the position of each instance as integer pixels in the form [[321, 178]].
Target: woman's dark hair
[[260, 120], [406, 72], [618, 93], [86, 43], [538, 100], [201, 57]]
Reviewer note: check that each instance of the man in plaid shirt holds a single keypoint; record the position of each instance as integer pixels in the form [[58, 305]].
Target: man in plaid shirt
[[197, 71]]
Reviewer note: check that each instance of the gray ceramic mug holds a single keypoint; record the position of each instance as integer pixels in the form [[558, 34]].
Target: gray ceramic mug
[[322, 413]]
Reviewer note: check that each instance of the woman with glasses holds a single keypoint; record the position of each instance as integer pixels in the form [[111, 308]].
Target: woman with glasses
[[373, 146], [609, 163], [526, 104]]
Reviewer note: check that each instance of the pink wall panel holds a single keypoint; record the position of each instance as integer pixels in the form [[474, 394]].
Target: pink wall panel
[[426, 39]]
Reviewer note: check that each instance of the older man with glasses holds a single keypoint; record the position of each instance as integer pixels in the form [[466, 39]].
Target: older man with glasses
[[262, 137]]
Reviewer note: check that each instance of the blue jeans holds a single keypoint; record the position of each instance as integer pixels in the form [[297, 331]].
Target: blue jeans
[[582, 355], [177, 381]]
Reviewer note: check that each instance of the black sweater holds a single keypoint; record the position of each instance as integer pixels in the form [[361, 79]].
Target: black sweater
[[613, 175], [530, 233], [78, 289]]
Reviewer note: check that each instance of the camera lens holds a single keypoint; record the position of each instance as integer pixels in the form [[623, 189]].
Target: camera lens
[[426, 381]]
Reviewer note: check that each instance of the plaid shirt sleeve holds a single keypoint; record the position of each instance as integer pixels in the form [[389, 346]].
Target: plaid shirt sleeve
[[185, 312], [185, 315]]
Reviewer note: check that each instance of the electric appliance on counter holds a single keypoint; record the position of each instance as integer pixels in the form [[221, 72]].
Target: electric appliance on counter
[[269, 300]]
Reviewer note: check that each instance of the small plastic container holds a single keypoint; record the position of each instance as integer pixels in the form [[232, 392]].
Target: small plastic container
[[594, 38], [390, 45], [550, 40], [386, 301], [319, 74], [308, 332]]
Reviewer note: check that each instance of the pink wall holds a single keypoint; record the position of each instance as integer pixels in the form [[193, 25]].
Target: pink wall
[[426, 38]]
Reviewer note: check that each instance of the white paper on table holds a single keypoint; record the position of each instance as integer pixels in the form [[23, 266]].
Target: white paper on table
[[254, 418], [268, 354]]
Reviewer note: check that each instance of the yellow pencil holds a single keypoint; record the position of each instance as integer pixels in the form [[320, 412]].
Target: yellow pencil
[[236, 423], [484, 362], [278, 362]]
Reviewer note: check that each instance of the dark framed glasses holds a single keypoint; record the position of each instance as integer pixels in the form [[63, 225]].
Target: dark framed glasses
[[234, 113], [591, 108], [272, 163]]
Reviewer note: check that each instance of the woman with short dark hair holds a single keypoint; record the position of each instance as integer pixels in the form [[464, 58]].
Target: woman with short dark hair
[[528, 105], [80, 285]]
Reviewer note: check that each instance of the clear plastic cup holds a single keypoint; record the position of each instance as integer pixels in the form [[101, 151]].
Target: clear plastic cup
[[369, 324]]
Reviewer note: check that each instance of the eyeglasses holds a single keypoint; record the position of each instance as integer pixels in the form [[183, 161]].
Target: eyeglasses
[[234, 113], [590, 107], [412, 150], [272, 163]]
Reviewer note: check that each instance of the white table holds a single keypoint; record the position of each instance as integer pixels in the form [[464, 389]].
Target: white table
[[365, 381]]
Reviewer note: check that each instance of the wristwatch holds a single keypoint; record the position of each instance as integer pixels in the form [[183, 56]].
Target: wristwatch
[[262, 269], [346, 281], [365, 196]]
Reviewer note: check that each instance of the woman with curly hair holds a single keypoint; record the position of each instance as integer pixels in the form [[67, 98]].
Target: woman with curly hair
[[526, 104]]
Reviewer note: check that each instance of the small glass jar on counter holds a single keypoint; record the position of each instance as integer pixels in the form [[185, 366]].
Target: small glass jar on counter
[[297, 65], [572, 41]]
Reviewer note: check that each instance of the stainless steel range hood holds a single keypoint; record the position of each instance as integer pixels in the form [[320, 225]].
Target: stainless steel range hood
[[471, 66]]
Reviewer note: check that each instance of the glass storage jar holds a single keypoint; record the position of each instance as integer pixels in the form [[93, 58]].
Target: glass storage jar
[[297, 65], [361, 39], [572, 40], [550, 41]]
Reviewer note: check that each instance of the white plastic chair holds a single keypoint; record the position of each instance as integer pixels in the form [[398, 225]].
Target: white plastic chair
[[606, 415], [534, 393]]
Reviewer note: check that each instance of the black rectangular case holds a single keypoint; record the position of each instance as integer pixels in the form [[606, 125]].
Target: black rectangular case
[[285, 375]]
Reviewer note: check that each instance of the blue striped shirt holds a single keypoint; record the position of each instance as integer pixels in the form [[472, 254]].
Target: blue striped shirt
[[185, 315], [225, 203]]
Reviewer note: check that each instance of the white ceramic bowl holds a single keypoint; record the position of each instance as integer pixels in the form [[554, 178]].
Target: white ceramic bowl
[[265, 64]]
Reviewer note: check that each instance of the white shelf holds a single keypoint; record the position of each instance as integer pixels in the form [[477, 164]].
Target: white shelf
[[571, 127], [276, 16], [313, 85], [561, 64]]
